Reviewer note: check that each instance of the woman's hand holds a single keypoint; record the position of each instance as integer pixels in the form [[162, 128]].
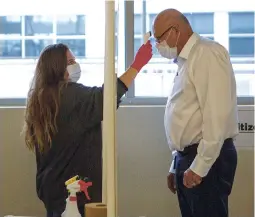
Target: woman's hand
[[143, 56]]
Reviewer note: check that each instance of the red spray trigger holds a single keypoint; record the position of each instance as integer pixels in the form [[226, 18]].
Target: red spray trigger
[[84, 187]]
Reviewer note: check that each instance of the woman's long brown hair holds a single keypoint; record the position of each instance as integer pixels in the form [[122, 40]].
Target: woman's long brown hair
[[43, 99]]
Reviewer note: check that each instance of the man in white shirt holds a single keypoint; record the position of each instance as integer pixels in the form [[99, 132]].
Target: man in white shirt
[[200, 117]]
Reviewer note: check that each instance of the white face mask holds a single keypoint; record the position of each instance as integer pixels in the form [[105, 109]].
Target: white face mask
[[74, 72], [166, 51]]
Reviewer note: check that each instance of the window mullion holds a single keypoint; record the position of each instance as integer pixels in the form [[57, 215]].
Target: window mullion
[[129, 41]]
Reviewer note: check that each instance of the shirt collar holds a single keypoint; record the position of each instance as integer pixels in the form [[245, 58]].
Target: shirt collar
[[184, 54]]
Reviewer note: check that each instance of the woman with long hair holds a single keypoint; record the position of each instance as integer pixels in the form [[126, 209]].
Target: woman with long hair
[[63, 125]]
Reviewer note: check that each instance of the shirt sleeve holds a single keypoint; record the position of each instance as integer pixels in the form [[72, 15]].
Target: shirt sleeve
[[213, 79], [91, 103], [173, 164]]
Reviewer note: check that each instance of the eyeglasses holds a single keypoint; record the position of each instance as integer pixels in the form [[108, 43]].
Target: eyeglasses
[[157, 39]]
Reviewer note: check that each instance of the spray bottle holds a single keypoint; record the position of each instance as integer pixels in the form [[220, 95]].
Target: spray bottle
[[75, 185]]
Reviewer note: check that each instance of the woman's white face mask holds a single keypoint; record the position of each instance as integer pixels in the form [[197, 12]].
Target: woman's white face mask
[[74, 72], [166, 51]]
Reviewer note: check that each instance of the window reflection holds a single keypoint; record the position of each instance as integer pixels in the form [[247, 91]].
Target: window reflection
[[10, 25], [151, 20], [137, 44], [10, 48], [76, 45], [38, 25], [241, 22], [138, 25], [241, 34], [201, 23], [34, 47], [116, 45], [241, 47], [71, 25], [116, 21]]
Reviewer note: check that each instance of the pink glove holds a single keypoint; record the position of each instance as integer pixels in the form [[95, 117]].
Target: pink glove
[[142, 56]]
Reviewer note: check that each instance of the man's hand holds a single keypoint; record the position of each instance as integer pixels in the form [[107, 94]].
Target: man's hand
[[191, 179], [171, 182]]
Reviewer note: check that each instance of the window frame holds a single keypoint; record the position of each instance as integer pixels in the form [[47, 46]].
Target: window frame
[[129, 98]]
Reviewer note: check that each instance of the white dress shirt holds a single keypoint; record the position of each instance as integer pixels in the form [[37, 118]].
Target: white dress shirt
[[202, 107]]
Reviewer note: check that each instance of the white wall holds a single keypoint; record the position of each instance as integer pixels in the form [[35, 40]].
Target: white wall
[[143, 163]]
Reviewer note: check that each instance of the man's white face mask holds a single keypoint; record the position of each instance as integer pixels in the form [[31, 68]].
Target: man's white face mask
[[166, 51], [74, 72]]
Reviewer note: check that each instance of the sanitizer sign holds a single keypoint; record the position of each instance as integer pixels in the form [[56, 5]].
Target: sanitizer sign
[[246, 127]]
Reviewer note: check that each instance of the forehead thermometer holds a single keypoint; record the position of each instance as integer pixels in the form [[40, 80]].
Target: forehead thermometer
[[146, 37]]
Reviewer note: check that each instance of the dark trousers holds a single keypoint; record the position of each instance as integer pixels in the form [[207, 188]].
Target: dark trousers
[[210, 197]]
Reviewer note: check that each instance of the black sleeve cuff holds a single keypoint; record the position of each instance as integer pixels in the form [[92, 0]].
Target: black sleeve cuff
[[122, 84]]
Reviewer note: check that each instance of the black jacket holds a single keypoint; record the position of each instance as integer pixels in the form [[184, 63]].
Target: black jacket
[[76, 148]]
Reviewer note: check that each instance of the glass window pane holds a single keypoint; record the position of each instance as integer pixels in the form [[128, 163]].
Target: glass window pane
[[116, 21], [10, 49], [241, 22], [34, 47], [138, 25], [151, 20], [116, 45], [38, 25], [10, 25], [76, 45], [160, 71], [201, 23], [137, 44], [241, 47], [71, 25], [188, 16]]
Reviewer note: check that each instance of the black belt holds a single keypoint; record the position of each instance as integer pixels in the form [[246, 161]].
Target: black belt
[[193, 148]]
